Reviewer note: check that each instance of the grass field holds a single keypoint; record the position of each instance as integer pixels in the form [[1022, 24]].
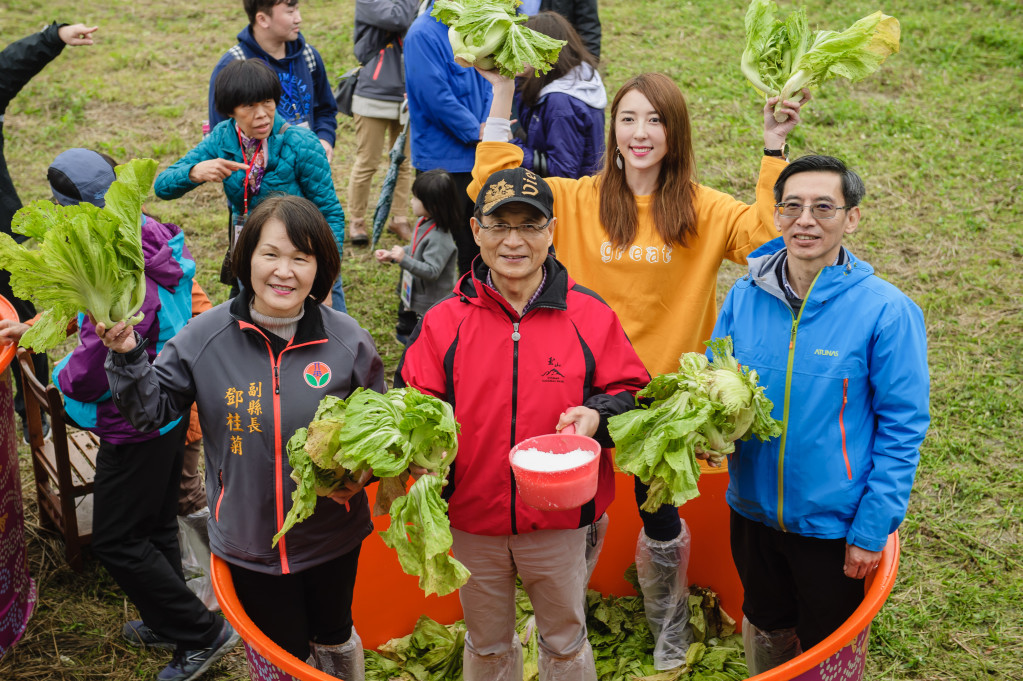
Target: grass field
[[937, 135]]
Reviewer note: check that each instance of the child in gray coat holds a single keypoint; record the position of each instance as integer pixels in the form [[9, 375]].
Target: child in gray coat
[[429, 262]]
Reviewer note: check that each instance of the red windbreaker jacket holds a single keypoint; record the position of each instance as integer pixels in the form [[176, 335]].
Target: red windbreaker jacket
[[509, 378]]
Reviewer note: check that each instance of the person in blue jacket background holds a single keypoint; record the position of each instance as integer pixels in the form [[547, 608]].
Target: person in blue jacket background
[[843, 357], [561, 112], [255, 153], [447, 105]]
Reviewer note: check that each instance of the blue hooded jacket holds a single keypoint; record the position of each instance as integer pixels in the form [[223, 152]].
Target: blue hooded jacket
[[296, 165], [306, 96], [446, 102], [849, 380]]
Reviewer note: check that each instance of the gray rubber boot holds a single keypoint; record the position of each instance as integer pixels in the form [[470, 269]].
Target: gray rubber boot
[[661, 570], [343, 661], [765, 650]]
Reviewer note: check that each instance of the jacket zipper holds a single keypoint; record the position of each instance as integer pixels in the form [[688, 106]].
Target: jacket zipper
[[785, 411], [275, 363], [515, 336], [220, 497], [841, 425]]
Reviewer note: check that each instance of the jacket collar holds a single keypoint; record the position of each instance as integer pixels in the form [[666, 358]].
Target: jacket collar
[[310, 326], [472, 289], [763, 270]]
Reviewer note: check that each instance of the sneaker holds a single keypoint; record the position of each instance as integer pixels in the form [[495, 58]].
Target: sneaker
[[190, 664], [136, 633], [24, 429]]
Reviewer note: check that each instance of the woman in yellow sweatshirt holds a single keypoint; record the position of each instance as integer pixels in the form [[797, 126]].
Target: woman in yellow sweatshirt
[[650, 240]]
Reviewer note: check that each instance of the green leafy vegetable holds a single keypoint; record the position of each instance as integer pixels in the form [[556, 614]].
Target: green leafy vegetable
[[704, 406], [618, 633], [385, 433], [489, 34], [311, 454], [421, 536], [783, 57], [88, 260]]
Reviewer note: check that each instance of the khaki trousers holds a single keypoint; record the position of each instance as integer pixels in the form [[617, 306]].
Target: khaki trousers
[[369, 140], [552, 565]]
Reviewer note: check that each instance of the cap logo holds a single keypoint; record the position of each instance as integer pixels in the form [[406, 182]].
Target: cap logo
[[529, 186], [498, 192]]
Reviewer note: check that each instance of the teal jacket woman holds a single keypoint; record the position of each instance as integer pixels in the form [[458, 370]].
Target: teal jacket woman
[[295, 165]]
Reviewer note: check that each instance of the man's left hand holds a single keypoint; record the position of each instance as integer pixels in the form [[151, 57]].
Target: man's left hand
[[860, 562], [586, 420], [328, 149], [349, 488]]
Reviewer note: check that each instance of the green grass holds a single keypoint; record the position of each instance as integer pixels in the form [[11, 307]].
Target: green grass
[[936, 133]]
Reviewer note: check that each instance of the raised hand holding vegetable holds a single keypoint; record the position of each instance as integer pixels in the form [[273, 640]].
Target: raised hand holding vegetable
[[88, 259], [782, 58]]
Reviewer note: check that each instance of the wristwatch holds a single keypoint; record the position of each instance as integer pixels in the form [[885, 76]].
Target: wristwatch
[[780, 153]]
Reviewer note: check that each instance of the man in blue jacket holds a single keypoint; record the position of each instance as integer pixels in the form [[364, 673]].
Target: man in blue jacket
[[273, 36], [447, 105], [843, 356]]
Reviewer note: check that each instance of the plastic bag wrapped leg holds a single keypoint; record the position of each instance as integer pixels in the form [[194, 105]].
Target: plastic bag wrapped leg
[[661, 569], [766, 650], [502, 667], [194, 540], [594, 543], [344, 661], [577, 667]]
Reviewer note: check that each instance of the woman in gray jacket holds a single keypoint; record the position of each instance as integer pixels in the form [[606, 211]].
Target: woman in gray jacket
[[257, 366]]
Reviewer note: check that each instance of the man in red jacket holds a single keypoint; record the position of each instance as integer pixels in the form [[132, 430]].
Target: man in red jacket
[[520, 350]]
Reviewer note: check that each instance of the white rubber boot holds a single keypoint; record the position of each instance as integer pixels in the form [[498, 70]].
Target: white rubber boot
[[766, 650], [343, 661], [505, 667], [661, 570]]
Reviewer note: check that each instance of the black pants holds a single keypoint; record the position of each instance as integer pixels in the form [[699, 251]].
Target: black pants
[[314, 605], [791, 580], [664, 524], [135, 535], [467, 246]]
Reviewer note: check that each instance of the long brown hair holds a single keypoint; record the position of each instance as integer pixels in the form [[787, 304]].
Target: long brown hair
[[572, 54], [673, 208]]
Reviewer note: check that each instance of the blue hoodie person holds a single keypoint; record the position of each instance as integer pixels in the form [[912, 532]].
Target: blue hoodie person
[[561, 112]]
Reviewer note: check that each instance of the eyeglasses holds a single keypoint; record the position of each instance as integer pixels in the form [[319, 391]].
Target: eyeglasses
[[821, 211], [501, 230]]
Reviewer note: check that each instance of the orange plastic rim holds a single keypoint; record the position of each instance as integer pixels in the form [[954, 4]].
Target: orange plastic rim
[[878, 586], [7, 352], [223, 587]]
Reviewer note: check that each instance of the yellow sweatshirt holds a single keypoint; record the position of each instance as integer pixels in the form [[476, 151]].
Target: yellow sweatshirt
[[666, 297]]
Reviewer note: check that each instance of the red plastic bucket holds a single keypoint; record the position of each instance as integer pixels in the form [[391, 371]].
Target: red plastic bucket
[[557, 490], [17, 589]]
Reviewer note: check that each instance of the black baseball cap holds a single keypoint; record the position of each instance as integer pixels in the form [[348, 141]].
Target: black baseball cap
[[515, 185]]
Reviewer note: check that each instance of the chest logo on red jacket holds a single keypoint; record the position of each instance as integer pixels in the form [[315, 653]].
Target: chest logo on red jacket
[[317, 374], [553, 372]]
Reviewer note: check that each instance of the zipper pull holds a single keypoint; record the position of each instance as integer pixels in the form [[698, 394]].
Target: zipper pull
[[515, 332], [277, 381], [792, 336]]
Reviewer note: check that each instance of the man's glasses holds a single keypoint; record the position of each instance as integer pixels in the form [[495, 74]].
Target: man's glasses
[[821, 211], [500, 230]]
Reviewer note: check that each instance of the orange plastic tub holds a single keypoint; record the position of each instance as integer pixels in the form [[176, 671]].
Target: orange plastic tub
[[388, 602], [17, 589]]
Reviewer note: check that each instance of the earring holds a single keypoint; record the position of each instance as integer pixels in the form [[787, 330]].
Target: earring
[[618, 158]]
